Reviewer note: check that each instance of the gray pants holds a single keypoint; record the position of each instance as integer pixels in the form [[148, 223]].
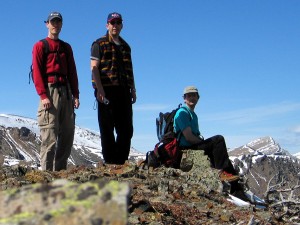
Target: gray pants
[[57, 126]]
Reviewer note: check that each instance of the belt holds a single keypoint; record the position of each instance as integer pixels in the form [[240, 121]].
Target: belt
[[58, 84], [53, 78]]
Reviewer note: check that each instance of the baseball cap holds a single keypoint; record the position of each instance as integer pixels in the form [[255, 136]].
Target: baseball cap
[[190, 89], [113, 16], [54, 15]]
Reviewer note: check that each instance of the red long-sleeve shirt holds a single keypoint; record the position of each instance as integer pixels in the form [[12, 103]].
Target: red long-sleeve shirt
[[64, 66]]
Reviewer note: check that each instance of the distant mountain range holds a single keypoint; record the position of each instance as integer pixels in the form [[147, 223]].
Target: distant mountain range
[[258, 162], [19, 140]]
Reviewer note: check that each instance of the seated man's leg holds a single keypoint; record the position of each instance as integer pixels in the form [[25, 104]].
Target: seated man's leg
[[215, 148]]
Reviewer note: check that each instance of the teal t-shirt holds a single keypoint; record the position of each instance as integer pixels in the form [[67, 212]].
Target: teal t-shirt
[[186, 118]]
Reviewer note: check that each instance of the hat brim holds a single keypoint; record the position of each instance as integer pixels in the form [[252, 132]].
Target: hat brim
[[114, 19], [51, 18], [193, 91]]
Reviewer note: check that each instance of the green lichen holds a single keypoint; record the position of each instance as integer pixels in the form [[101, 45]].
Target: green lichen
[[17, 218], [200, 170], [73, 202], [74, 195], [113, 187], [58, 212], [11, 191]]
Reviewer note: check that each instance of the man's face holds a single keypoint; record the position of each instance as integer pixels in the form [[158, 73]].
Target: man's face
[[114, 27], [191, 99], [54, 26]]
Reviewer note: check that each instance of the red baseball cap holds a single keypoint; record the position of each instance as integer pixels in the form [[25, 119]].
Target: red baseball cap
[[113, 16]]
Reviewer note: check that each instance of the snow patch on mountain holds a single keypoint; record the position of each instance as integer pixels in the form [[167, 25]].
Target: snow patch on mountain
[[260, 146], [85, 140], [82, 137], [297, 155]]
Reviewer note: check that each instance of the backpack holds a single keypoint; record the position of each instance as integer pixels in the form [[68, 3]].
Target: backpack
[[164, 124], [46, 52], [166, 152]]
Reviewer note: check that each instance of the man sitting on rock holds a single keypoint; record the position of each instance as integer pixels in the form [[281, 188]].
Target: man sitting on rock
[[186, 125]]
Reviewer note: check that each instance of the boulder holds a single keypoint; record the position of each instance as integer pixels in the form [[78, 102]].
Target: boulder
[[64, 202]]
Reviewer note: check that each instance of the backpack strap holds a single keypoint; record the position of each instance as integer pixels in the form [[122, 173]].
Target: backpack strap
[[46, 51], [45, 55], [45, 47], [179, 134]]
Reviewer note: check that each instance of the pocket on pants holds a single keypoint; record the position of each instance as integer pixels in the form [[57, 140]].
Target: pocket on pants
[[43, 117]]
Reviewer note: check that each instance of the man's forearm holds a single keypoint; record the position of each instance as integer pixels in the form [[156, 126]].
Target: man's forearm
[[194, 139], [190, 137], [96, 78]]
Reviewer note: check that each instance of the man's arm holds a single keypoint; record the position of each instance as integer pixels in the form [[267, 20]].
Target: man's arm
[[190, 137], [72, 76], [38, 65], [96, 77], [72, 72]]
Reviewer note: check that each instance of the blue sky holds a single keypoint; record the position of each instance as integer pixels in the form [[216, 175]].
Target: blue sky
[[244, 57]]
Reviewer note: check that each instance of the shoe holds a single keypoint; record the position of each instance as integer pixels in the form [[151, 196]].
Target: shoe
[[224, 176]]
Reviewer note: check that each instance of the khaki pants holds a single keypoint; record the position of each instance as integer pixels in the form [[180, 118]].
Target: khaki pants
[[57, 126]]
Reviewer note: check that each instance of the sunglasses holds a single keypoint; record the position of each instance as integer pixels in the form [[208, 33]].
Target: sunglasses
[[115, 22]]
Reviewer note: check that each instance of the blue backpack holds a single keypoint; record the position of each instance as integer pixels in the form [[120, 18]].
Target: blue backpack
[[166, 152], [164, 124]]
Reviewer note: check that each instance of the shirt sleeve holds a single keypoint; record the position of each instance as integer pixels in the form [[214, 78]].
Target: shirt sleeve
[[72, 73], [95, 51], [37, 64], [181, 120]]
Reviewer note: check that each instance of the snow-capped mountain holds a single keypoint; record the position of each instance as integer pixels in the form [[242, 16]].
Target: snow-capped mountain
[[263, 162], [20, 141], [297, 155], [259, 161], [264, 145]]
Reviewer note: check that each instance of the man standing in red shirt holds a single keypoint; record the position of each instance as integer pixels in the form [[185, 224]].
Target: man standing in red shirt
[[56, 82]]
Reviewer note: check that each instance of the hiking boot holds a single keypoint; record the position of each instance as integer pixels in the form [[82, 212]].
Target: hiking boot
[[224, 176]]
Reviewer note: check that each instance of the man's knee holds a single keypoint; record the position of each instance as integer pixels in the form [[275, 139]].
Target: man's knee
[[219, 138]]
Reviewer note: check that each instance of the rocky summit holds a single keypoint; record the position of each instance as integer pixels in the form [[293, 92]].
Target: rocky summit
[[135, 194], [125, 194]]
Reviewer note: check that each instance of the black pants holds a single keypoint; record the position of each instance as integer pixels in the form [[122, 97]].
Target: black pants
[[116, 118], [215, 148]]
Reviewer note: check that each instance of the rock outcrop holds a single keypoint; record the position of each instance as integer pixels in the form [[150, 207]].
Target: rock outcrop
[[63, 202], [192, 195]]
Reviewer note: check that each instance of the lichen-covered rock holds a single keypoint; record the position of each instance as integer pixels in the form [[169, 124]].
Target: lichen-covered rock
[[63, 202], [159, 196], [197, 165]]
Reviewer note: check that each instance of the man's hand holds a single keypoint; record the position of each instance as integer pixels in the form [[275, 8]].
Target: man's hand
[[46, 103], [100, 94], [76, 103], [133, 96]]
